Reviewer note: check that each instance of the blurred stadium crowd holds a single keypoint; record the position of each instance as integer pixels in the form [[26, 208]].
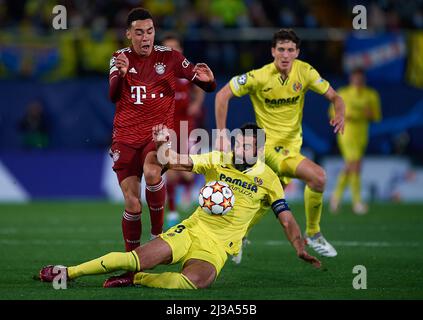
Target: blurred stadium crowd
[[189, 15], [212, 30]]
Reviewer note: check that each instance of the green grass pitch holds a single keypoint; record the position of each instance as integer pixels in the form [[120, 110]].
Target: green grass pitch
[[387, 242]]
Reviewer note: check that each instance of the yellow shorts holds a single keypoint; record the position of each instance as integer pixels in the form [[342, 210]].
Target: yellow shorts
[[352, 148], [189, 241], [283, 162]]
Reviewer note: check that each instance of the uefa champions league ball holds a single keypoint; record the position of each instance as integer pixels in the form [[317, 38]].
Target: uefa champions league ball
[[216, 198]]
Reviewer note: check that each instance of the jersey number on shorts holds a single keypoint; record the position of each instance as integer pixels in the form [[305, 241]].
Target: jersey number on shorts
[[180, 228]]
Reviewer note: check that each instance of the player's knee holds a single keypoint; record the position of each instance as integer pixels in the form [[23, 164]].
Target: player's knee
[[152, 174], [132, 203], [319, 181], [349, 167], [203, 284], [357, 166], [202, 279]]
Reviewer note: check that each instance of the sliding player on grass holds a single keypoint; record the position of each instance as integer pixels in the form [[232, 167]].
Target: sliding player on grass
[[202, 242]]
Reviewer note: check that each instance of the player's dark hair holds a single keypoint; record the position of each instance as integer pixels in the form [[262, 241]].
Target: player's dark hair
[[252, 129], [170, 36], [247, 130], [137, 14], [286, 35]]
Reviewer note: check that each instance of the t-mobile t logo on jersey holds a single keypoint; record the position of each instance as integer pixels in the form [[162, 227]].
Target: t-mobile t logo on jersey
[[137, 95]]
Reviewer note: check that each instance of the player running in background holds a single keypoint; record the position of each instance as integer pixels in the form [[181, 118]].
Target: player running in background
[[201, 242], [188, 104], [363, 106], [277, 92], [142, 84]]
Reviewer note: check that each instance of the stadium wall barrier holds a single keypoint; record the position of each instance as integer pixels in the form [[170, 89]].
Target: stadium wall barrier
[[383, 179], [66, 175], [80, 116]]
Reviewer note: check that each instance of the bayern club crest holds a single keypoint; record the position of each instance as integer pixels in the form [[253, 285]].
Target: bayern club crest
[[160, 68], [115, 155]]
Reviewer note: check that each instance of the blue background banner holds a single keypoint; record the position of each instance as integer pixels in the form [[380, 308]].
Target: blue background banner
[[381, 55], [81, 116]]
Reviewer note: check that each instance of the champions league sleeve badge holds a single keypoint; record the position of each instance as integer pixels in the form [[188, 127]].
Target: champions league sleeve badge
[[242, 79]]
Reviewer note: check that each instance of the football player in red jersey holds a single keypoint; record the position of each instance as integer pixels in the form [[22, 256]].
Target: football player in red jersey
[[188, 109], [142, 84]]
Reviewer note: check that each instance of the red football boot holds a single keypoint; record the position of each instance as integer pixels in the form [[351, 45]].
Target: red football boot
[[124, 280], [50, 272]]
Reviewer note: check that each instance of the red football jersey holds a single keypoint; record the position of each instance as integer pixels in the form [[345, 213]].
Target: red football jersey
[[147, 93], [182, 98]]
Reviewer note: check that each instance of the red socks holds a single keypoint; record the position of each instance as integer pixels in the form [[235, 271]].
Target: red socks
[[131, 221], [156, 196], [131, 229]]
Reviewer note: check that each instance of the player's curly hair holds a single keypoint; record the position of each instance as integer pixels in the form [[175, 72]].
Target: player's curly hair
[[138, 14], [286, 35]]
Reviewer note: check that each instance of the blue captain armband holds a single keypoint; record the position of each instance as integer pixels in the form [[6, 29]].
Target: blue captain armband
[[280, 206]]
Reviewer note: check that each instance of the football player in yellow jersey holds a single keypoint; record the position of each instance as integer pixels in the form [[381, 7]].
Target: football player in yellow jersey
[[202, 242], [363, 106], [277, 93]]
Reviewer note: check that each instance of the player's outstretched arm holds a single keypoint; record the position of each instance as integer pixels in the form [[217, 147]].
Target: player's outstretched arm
[[293, 234], [118, 71], [339, 106], [167, 157], [221, 104], [204, 77]]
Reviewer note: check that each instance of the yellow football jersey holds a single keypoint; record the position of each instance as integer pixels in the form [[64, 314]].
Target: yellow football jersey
[[278, 104], [255, 188], [356, 102]]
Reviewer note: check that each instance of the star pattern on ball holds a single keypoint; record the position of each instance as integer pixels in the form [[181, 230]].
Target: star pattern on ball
[[208, 203], [226, 203], [217, 187]]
